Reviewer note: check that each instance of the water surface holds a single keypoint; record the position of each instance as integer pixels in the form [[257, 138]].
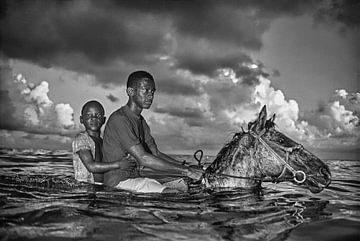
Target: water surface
[[40, 200]]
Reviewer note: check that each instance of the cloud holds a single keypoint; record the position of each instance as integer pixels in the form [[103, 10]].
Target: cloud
[[28, 107], [344, 15], [198, 51], [341, 93], [112, 98], [338, 121], [65, 115], [342, 11], [107, 38], [226, 102], [24, 140], [350, 101]]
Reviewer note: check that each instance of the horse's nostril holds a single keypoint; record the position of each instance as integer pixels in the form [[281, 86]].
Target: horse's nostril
[[324, 172], [327, 175]]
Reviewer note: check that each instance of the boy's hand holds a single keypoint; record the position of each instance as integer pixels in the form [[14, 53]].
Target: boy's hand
[[195, 173]]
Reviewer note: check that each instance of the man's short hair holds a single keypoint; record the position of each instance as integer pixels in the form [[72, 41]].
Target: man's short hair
[[135, 77]]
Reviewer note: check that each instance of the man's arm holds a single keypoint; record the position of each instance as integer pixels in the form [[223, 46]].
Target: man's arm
[[101, 167], [163, 156], [158, 163]]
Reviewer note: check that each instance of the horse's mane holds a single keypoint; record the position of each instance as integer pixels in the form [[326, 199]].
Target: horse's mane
[[227, 149]]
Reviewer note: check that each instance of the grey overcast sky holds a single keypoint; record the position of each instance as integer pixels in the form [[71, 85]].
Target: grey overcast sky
[[216, 63]]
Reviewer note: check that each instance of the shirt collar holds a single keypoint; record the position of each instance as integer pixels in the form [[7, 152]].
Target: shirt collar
[[132, 114]]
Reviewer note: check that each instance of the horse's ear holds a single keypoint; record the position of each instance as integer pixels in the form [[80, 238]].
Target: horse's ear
[[259, 124], [262, 117], [270, 123], [272, 119]]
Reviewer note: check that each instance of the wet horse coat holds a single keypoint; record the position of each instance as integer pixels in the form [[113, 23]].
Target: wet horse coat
[[264, 153]]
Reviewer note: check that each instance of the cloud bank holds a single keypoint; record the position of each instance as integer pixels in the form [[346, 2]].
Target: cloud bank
[[207, 83], [27, 107]]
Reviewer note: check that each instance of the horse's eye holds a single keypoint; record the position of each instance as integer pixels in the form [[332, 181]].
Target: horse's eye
[[281, 141]]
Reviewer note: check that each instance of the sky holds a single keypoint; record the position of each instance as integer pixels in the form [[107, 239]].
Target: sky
[[215, 64]]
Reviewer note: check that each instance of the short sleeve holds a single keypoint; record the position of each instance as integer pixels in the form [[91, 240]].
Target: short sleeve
[[125, 132], [148, 137], [80, 142]]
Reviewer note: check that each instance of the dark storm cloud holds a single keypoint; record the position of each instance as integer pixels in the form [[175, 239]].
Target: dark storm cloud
[[9, 117], [112, 98], [105, 38], [180, 112], [199, 61], [343, 11], [176, 86], [240, 22], [276, 73], [191, 116], [76, 35], [8, 120]]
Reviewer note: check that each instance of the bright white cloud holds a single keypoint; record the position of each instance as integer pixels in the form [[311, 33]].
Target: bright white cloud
[[342, 93], [65, 114], [36, 110], [40, 94], [287, 111], [345, 120], [337, 122], [232, 104]]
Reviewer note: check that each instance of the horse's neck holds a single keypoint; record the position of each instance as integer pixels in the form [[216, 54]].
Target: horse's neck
[[237, 158]]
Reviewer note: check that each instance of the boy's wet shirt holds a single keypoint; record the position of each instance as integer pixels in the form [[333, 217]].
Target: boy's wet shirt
[[93, 120], [98, 177]]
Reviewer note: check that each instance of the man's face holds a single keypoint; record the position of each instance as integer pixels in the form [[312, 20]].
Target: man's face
[[144, 93]]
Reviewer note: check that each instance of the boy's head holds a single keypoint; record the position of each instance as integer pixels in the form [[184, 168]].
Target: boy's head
[[141, 88], [92, 115]]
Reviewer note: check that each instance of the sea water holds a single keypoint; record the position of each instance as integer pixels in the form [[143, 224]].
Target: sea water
[[40, 200]]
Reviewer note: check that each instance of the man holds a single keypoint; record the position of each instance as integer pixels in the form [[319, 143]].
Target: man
[[127, 133]]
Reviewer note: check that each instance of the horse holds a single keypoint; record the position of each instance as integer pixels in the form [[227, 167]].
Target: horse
[[263, 153]]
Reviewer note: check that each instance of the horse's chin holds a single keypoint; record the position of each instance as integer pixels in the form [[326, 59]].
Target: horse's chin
[[314, 187]]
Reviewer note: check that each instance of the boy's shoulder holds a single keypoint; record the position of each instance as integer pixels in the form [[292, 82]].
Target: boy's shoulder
[[81, 136], [82, 141]]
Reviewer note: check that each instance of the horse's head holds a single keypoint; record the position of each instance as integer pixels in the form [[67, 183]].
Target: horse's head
[[284, 159]]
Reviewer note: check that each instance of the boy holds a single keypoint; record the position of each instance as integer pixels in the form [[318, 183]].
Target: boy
[[87, 147]]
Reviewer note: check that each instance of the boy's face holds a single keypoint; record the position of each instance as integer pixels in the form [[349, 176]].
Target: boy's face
[[143, 94], [92, 118]]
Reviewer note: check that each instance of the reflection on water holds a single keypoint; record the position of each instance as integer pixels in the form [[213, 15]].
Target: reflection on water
[[40, 200]]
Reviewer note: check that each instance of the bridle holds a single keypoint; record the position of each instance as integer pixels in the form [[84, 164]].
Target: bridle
[[288, 150], [298, 175]]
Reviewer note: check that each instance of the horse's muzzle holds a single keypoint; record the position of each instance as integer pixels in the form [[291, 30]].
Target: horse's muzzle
[[325, 172]]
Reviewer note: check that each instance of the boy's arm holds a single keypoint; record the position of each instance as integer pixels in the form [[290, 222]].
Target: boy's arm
[[101, 167]]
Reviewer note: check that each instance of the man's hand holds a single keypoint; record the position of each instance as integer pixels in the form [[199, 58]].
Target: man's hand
[[195, 173], [127, 164]]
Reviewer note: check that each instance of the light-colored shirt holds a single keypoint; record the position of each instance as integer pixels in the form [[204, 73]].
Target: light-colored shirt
[[82, 141]]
